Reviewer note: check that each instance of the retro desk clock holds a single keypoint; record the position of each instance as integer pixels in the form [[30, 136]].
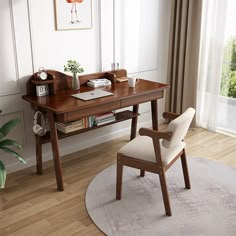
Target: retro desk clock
[[42, 90]]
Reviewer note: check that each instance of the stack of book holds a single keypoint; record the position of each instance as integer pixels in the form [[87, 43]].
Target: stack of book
[[104, 118], [72, 126], [87, 122], [95, 83], [91, 121]]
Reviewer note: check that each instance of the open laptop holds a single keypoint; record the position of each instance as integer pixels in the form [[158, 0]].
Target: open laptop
[[97, 93]]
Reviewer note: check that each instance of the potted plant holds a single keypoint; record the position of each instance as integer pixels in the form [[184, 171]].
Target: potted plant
[[5, 145], [74, 67]]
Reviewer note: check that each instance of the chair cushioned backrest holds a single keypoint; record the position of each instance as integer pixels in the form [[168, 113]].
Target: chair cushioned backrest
[[179, 128]]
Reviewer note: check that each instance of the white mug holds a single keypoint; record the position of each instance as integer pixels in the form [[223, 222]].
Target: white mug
[[132, 81]]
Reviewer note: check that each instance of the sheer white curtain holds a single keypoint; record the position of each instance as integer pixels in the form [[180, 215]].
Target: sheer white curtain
[[210, 65]]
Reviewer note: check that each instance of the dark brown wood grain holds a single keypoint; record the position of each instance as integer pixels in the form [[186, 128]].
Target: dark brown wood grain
[[63, 101], [170, 115], [55, 151], [134, 123], [60, 106], [155, 167], [39, 163]]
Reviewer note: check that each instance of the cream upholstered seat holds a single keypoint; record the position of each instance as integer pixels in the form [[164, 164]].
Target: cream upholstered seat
[[142, 148], [156, 151]]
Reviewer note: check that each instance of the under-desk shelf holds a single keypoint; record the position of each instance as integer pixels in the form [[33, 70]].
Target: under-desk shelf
[[120, 116]]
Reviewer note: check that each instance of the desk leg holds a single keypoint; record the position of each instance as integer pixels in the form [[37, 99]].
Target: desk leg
[[55, 150], [39, 155], [134, 123], [154, 114]]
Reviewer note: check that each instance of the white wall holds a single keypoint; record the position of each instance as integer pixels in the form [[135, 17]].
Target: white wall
[[29, 40]]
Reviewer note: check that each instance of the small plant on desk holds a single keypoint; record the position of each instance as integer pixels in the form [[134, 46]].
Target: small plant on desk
[[5, 145], [75, 68]]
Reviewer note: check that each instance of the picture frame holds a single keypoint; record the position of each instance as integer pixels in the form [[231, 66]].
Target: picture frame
[[73, 14]]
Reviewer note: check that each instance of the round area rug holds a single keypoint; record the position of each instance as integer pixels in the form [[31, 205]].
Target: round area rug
[[208, 208]]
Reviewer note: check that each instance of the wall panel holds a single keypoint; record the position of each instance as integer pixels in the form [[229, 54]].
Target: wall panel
[[137, 34], [9, 79]]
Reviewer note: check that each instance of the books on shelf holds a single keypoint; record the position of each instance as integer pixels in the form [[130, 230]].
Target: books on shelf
[[72, 126], [105, 121], [91, 121], [87, 122], [104, 118], [95, 83]]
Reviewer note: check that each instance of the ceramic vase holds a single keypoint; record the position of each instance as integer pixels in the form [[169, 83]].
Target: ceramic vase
[[75, 82]]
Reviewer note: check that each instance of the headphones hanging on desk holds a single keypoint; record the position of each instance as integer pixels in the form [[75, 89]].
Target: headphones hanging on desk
[[39, 129]]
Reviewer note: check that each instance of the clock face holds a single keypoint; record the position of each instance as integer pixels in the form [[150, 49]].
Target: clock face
[[43, 75], [42, 90]]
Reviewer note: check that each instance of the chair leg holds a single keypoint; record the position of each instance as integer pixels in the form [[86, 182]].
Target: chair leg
[[165, 194], [119, 175], [142, 173], [185, 170]]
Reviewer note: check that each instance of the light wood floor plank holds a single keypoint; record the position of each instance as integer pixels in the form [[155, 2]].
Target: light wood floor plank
[[31, 205]]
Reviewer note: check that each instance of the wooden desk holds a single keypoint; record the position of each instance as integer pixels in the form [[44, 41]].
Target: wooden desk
[[60, 106]]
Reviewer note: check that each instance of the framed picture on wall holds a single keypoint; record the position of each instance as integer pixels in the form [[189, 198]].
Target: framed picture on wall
[[73, 14]]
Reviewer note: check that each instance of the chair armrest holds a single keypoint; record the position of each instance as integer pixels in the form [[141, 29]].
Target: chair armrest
[[155, 134], [170, 115]]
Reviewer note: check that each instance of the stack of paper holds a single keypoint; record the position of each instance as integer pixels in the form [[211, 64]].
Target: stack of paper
[[95, 83], [105, 118], [72, 126]]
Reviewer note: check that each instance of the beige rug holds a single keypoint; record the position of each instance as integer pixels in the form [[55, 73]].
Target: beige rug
[[209, 208]]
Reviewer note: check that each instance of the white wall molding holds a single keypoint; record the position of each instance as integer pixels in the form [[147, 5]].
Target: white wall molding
[[99, 35], [136, 35], [107, 34], [31, 36], [14, 43], [8, 90]]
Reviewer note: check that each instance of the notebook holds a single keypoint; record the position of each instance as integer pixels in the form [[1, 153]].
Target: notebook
[[97, 93]]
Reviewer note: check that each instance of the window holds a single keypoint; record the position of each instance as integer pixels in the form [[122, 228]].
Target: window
[[216, 103]]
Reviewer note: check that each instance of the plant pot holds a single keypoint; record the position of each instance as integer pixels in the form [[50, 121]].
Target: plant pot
[[75, 82]]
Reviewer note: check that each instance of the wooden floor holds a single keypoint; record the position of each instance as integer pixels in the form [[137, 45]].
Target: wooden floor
[[30, 204]]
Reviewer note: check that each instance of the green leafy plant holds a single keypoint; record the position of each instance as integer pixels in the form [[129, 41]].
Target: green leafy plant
[[74, 67], [5, 145], [232, 85], [228, 77]]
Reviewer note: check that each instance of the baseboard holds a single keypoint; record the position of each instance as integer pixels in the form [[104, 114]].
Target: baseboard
[[100, 139], [69, 147]]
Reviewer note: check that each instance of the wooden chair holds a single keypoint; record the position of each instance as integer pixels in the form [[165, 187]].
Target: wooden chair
[[156, 152]]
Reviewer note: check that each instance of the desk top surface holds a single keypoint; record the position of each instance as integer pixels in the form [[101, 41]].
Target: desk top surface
[[63, 101]]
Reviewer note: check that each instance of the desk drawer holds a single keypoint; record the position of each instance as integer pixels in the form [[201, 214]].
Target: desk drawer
[[85, 112], [141, 99]]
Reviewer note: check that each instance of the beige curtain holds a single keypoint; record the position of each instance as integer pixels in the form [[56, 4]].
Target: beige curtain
[[183, 54]]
